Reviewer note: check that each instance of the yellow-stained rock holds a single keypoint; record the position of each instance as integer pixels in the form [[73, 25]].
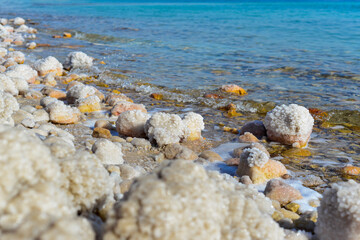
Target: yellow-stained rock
[[232, 88], [351, 170], [297, 152], [292, 207], [101, 133], [289, 214]]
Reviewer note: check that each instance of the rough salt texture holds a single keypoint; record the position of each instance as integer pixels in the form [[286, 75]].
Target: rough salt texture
[[18, 56], [19, 21], [22, 71], [3, 52], [60, 147], [254, 157], [89, 104], [282, 192], [63, 114], [289, 124], [165, 128], [8, 105], [194, 123], [123, 106], [180, 200], [48, 65], [108, 152], [7, 85], [131, 123], [78, 60], [80, 91], [339, 212], [113, 98]]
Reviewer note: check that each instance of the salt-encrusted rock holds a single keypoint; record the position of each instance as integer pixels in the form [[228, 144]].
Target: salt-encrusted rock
[[48, 65], [3, 21], [17, 56], [141, 143], [19, 115], [165, 128], [248, 138], [31, 45], [9, 63], [7, 85], [339, 212], [53, 93], [28, 122], [194, 123], [49, 80], [19, 21], [232, 88], [22, 71], [60, 147], [63, 114], [78, 60], [238, 151], [3, 52], [80, 91], [127, 172], [256, 164], [108, 152], [211, 156], [256, 127], [51, 129], [113, 98], [131, 123], [177, 151], [2, 69], [89, 104], [41, 115], [28, 108], [282, 192], [289, 124], [103, 124], [124, 106], [46, 101], [8, 105], [186, 193]]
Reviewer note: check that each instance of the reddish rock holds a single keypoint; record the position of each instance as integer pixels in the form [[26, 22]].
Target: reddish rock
[[284, 193]]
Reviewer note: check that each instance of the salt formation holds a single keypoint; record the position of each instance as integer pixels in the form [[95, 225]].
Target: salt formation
[[180, 200], [7, 85], [63, 114], [8, 105], [123, 106], [48, 65], [22, 71], [19, 21], [78, 60], [113, 98], [194, 123], [80, 91], [289, 124], [339, 212], [256, 164], [108, 152], [18, 56], [3, 52], [132, 123], [3, 21], [89, 104], [232, 88]]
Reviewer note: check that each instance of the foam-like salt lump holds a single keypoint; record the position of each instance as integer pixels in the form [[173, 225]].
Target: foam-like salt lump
[[339, 212], [7, 85], [194, 123], [3, 52], [131, 123], [22, 71], [108, 152], [19, 21], [78, 60], [18, 56], [180, 200], [8, 105], [254, 157], [79, 91], [47, 65]]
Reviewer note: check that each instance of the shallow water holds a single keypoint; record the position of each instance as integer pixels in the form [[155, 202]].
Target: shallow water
[[284, 52]]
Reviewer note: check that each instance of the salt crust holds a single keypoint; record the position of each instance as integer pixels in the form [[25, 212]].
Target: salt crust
[[46, 65], [180, 200], [131, 123], [78, 60], [19, 21], [339, 212], [3, 52], [80, 91], [7, 85], [254, 157], [58, 109], [22, 71], [3, 21], [289, 120], [108, 152], [8, 105], [18, 56]]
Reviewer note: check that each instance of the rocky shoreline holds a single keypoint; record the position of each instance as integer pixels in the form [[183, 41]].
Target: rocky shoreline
[[81, 162]]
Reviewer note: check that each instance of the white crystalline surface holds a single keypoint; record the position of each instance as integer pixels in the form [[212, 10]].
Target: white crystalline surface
[[8, 105], [255, 157], [289, 120], [78, 60], [47, 64], [131, 123]]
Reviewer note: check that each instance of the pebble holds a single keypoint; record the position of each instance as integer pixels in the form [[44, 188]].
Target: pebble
[[211, 156], [175, 150], [103, 124], [289, 214], [256, 128], [28, 122], [246, 180], [284, 193], [101, 133], [294, 207], [141, 143]]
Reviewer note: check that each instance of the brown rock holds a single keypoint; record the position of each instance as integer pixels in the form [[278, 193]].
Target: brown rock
[[233, 161], [284, 193], [103, 124], [121, 107], [211, 156], [256, 127], [176, 151], [248, 137], [54, 93], [246, 180], [101, 133]]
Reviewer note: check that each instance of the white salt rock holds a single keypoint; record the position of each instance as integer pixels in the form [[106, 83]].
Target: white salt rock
[[46, 101], [131, 123], [41, 115], [53, 130], [7, 85], [18, 56], [31, 45], [194, 123], [47, 65], [3, 52], [108, 152], [19, 21], [8, 105], [80, 91], [254, 157], [22, 71], [60, 147], [23, 28], [63, 114], [28, 122], [78, 60], [3, 21], [21, 84]]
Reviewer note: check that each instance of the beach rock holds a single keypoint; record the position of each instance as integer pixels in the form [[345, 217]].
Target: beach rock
[[89, 104], [103, 124], [211, 156], [127, 172], [339, 212], [194, 124], [9, 63], [78, 60], [141, 143], [123, 106], [17, 56], [257, 165], [19, 21], [256, 127], [22, 71], [31, 45], [177, 151], [289, 124], [132, 123], [311, 181], [113, 98], [183, 189], [80, 91], [284, 193], [49, 80], [351, 170], [46, 101], [289, 214], [48, 65], [41, 115], [28, 122], [232, 88], [248, 138], [53, 93], [19, 115], [60, 147], [101, 133], [108, 152], [3, 21], [246, 180], [63, 114], [8, 105], [7, 85], [238, 151], [3, 52]]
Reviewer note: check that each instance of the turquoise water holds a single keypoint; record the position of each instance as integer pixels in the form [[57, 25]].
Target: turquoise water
[[283, 52]]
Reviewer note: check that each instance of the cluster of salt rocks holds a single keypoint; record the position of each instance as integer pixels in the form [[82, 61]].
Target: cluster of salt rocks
[[47, 181]]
